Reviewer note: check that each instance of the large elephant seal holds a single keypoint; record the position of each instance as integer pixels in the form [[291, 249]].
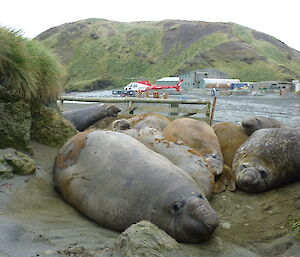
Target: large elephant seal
[[150, 119], [200, 136], [231, 137], [83, 118], [268, 159], [259, 122], [180, 155], [117, 181]]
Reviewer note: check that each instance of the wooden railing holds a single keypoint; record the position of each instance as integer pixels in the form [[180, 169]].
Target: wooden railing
[[174, 108]]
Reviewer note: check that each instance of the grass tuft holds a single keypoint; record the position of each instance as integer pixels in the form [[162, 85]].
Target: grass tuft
[[27, 69]]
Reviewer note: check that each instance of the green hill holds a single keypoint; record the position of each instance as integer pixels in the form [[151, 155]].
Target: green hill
[[101, 53]]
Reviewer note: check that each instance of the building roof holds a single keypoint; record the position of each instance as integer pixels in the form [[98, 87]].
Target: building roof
[[175, 79], [220, 81]]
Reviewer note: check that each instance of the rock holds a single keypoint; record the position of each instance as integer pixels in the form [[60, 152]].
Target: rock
[[6, 171], [15, 125], [144, 239], [76, 252], [15, 162], [49, 127]]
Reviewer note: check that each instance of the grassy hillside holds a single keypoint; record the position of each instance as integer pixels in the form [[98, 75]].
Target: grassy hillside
[[100, 53]]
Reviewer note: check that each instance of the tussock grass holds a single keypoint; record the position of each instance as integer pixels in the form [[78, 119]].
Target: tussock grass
[[27, 69], [16, 74], [47, 71]]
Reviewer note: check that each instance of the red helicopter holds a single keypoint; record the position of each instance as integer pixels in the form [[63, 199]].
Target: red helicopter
[[145, 85]]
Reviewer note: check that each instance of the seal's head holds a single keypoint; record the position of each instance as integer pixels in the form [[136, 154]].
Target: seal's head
[[252, 178], [122, 124], [215, 162], [252, 124], [190, 219], [113, 110], [259, 122]]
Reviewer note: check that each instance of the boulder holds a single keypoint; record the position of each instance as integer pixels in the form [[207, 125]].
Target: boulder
[[15, 162], [144, 239]]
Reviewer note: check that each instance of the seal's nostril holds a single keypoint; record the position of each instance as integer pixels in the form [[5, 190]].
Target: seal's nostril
[[211, 222], [245, 124], [246, 179]]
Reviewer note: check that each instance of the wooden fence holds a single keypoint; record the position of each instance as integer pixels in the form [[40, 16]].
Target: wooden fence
[[174, 108]]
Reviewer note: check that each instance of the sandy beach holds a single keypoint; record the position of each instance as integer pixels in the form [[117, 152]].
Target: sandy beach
[[35, 221]]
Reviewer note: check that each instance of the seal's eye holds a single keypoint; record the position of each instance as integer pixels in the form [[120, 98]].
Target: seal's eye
[[200, 196], [177, 207], [263, 173], [215, 156]]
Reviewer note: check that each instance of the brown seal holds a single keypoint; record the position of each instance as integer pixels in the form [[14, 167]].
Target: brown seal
[[150, 119], [268, 159], [117, 181], [200, 136], [259, 122], [231, 137]]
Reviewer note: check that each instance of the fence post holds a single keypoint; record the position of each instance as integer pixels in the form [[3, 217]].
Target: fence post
[[213, 110]]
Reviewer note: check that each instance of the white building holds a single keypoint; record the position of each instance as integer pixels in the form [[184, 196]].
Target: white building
[[168, 81]]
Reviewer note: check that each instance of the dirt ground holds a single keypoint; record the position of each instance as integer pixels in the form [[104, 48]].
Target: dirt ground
[[35, 221]]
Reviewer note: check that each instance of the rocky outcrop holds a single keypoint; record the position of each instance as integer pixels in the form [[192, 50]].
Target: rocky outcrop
[[144, 239], [15, 162], [15, 125], [49, 127]]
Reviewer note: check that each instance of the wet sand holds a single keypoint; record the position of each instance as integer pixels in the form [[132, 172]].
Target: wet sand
[[35, 221]]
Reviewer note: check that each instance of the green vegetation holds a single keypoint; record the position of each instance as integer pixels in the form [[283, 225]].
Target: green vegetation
[[294, 224], [47, 71], [30, 76], [96, 50], [15, 70], [28, 71]]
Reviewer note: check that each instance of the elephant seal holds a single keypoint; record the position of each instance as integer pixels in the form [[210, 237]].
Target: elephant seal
[[150, 119], [180, 155], [259, 122], [117, 181], [268, 159], [200, 136], [83, 118], [231, 137]]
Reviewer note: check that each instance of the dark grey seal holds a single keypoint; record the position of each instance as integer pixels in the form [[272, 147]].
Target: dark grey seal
[[83, 118], [117, 181], [259, 122], [268, 159]]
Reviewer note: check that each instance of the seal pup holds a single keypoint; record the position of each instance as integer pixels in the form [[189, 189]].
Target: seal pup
[[117, 181], [200, 136], [259, 122], [268, 159], [83, 118], [231, 137]]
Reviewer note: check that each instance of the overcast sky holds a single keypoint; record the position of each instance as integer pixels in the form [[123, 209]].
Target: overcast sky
[[280, 19]]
